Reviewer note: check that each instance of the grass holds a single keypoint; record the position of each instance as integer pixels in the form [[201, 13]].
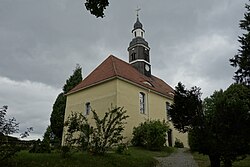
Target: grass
[[203, 161], [136, 157], [242, 163]]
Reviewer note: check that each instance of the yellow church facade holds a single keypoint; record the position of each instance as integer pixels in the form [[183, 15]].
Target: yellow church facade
[[114, 89], [130, 85]]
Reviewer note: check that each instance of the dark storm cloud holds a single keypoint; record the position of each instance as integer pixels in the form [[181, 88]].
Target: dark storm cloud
[[42, 41]]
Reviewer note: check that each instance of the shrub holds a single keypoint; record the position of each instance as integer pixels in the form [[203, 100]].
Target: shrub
[[7, 151], [122, 148], [40, 147], [97, 139], [150, 134], [178, 143]]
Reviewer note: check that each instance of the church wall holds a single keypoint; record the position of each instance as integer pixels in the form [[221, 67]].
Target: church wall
[[182, 136], [122, 94], [100, 98], [158, 111], [128, 97]]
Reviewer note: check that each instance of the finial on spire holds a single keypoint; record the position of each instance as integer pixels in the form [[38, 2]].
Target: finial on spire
[[137, 24], [137, 11]]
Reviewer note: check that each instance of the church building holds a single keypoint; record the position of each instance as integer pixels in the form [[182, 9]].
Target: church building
[[126, 84]]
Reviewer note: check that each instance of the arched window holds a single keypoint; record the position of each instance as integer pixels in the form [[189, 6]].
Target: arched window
[[87, 108], [167, 111], [142, 102]]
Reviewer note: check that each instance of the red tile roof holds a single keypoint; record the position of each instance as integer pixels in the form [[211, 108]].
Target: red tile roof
[[113, 67]]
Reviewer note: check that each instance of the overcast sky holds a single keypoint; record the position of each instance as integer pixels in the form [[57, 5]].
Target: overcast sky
[[41, 41]]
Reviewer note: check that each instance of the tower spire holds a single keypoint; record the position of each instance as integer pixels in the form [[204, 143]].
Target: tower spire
[[138, 49], [138, 24]]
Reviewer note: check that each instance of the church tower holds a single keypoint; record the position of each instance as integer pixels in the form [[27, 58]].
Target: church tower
[[139, 50]]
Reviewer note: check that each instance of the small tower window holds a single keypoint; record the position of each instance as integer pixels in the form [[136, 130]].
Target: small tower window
[[146, 53], [132, 56], [87, 108], [135, 33], [142, 102], [141, 34], [146, 56]]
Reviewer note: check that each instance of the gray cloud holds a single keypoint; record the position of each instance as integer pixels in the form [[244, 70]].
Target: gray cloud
[[29, 102], [42, 41]]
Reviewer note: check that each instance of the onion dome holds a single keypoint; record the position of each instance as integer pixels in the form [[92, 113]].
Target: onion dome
[[137, 24]]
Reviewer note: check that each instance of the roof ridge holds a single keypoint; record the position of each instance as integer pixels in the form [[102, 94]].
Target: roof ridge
[[113, 64]]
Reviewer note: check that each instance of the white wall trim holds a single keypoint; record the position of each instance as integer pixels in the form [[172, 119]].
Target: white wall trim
[[140, 60]]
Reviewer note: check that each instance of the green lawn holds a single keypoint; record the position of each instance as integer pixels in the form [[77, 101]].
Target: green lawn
[[203, 161], [136, 157]]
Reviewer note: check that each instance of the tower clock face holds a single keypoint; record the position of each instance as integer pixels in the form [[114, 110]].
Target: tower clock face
[[147, 68]]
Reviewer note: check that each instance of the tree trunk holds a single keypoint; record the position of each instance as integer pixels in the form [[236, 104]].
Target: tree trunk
[[214, 160]]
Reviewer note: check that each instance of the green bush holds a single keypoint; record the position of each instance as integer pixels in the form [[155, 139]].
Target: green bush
[[150, 134], [97, 139], [122, 148], [7, 151], [40, 147], [178, 143]]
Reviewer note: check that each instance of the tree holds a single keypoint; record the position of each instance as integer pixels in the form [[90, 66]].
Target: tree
[[203, 138], [221, 130], [9, 126], [44, 145], [73, 80], [230, 122], [57, 115], [96, 7], [50, 137], [97, 139], [242, 59], [26, 133], [186, 107], [47, 138]]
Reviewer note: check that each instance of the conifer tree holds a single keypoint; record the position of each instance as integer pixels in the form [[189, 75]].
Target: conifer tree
[[73, 80], [242, 59], [57, 115]]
